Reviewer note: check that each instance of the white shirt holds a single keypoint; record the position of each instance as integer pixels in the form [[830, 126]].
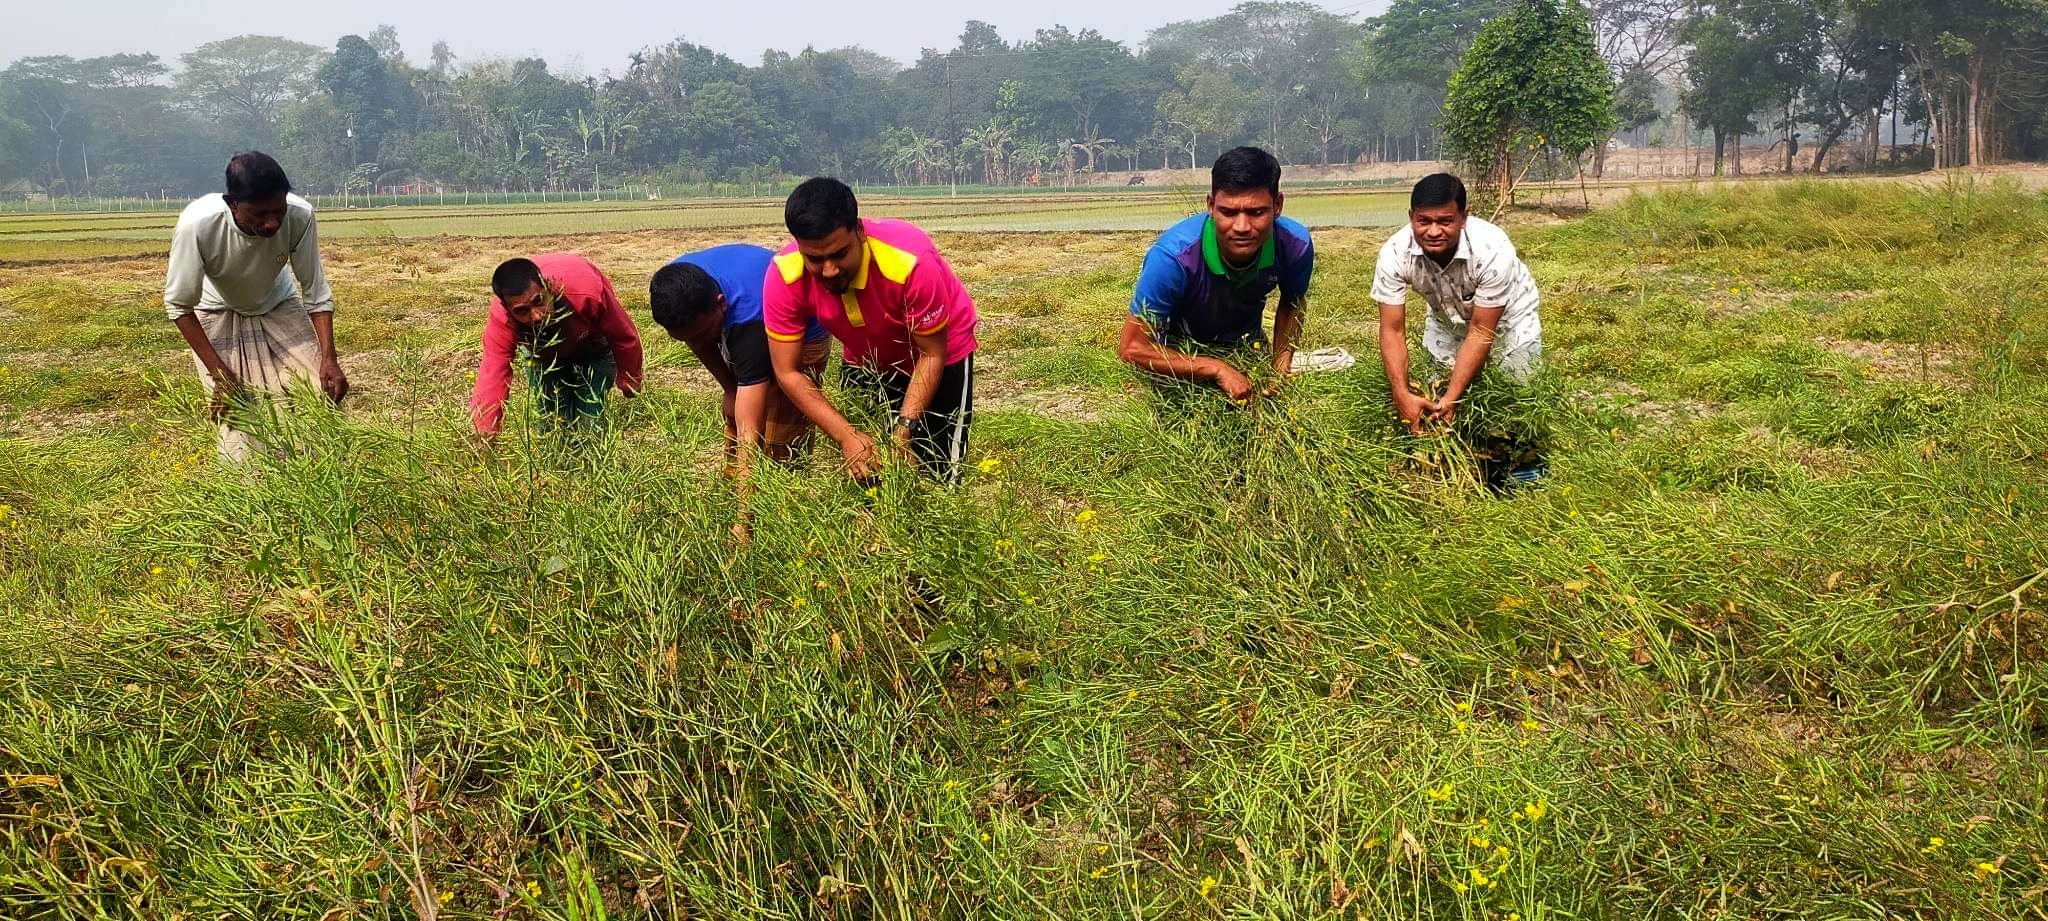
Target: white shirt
[[1485, 272], [215, 266]]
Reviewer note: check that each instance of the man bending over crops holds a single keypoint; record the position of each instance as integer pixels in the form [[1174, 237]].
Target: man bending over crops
[[230, 289], [1199, 311], [1482, 308], [710, 300], [905, 324], [558, 312]]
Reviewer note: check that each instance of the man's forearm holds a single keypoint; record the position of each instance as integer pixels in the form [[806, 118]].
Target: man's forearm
[[323, 329], [924, 382], [1286, 329], [1159, 359], [1394, 356], [810, 401], [202, 347], [1471, 357]]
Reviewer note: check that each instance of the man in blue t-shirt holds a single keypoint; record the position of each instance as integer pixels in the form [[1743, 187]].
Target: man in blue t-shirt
[[1201, 296], [710, 300]]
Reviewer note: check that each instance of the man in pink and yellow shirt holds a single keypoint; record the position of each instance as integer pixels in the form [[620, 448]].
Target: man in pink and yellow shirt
[[904, 322]]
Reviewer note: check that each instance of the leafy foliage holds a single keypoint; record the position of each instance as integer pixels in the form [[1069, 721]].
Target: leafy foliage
[[1533, 81]]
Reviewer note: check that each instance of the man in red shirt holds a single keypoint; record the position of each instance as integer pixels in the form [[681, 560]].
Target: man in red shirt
[[558, 312]]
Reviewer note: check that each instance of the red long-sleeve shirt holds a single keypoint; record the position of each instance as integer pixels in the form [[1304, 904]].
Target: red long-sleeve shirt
[[588, 320]]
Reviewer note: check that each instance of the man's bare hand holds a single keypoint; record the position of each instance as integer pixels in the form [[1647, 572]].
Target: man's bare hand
[[899, 444], [228, 392], [1442, 411], [1414, 410], [863, 459], [333, 382], [1235, 385]]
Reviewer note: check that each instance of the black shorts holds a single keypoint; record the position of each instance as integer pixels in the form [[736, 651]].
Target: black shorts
[[942, 449]]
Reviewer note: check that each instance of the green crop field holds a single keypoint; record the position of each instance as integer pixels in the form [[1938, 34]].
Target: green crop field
[[32, 236], [1769, 645]]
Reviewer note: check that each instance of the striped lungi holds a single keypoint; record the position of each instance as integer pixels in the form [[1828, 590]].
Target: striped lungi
[[271, 353]]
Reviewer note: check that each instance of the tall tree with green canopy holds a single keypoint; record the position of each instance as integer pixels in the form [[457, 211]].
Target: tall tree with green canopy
[[1533, 80], [1406, 58], [246, 80], [365, 93]]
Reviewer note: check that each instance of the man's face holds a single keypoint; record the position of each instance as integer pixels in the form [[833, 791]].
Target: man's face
[[834, 259], [703, 329], [531, 309], [1437, 228], [1244, 221], [259, 218]]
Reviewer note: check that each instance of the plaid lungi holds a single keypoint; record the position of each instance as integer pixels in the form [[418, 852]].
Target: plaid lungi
[[271, 353]]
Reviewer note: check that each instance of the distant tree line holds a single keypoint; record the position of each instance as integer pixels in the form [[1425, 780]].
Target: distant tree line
[[1969, 79]]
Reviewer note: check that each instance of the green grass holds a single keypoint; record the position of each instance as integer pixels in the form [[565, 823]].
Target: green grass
[[1768, 632]]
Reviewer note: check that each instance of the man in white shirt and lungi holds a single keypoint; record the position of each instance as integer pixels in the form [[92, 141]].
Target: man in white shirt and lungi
[[1482, 310], [247, 291]]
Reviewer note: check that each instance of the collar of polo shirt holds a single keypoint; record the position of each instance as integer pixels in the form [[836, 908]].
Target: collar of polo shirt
[[1213, 254]]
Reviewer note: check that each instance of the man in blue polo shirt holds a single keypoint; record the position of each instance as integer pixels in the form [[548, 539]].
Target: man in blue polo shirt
[[1201, 298], [710, 300]]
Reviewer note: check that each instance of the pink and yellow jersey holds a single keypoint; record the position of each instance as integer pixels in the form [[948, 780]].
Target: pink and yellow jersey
[[903, 285]]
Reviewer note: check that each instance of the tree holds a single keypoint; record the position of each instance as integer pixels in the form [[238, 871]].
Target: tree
[[363, 91], [247, 79], [1746, 55], [1406, 59], [384, 38], [1533, 80], [442, 61], [1208, 104]]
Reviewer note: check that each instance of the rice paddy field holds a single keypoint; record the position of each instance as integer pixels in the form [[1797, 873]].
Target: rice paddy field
[[1769, 644]]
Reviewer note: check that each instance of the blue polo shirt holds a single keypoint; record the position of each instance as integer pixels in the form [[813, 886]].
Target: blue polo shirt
[[1190, 297], [740, 269]]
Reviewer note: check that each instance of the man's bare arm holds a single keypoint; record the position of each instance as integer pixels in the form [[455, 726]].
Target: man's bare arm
[[1136, 346], [1472, 356], [1394, 357]]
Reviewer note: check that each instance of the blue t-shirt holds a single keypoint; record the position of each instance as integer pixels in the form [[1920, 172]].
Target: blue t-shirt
[[739, 269], [1189, 296]]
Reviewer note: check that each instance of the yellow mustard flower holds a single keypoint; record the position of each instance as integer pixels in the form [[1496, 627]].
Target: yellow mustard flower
[[1208, 885], [1986, 870], [1464, 707], [1934, 844], [989, 465], [1085, 516]]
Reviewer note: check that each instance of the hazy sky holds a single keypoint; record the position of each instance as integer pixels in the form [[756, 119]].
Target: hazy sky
[[590, 35]]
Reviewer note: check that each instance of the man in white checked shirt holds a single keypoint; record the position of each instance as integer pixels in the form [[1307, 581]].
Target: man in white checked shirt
[[1482, 309], [247, 291]]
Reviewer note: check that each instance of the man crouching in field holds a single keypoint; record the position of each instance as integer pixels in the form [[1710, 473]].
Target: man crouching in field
[[1482, 308], [559, 313], [710, 300], [1200, 307], [904, 320], [230, 290]]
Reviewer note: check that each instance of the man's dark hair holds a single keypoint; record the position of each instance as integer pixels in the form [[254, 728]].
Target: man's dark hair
[[254, 176], [1436, 190], [679, 293], [1245, 169], [514, 277], [819, 206]]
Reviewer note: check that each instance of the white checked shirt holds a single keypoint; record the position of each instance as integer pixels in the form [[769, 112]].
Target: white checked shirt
[[1485, 272]]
